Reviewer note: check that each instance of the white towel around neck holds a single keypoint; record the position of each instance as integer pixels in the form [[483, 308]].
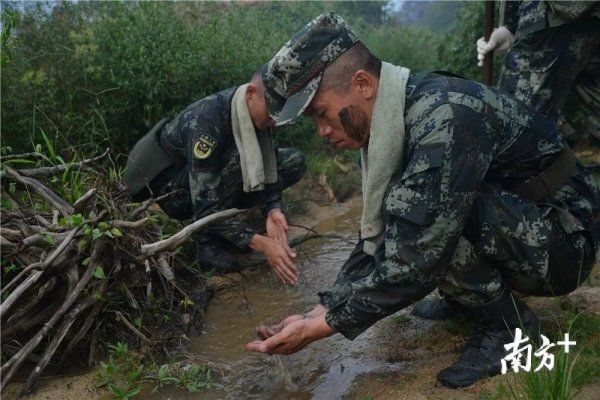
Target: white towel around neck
[[383, 156], [257, 152]]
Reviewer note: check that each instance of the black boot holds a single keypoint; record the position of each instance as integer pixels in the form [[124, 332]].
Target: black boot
[[211, 254], [484, 351], [439, 309]]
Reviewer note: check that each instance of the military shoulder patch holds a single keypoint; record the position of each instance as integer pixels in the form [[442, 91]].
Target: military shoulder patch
[[204, 147]]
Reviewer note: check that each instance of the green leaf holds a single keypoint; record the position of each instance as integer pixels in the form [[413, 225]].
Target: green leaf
[[12, 187], [76, 219], [99, 272], [96, 234], [109, 234], [86, 261], [81, 245], [138, 322], [49, 239], [103, 225], [49, 145], [116, 232]]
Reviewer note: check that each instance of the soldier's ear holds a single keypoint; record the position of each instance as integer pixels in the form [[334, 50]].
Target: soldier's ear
[[365, 83], [251, 90]]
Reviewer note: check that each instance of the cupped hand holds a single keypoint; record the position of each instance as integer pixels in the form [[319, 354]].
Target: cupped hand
[[293, 337], [265, 332]]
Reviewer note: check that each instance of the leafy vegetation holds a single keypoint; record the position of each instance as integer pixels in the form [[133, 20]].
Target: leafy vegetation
[[126, 374], [92, 75]]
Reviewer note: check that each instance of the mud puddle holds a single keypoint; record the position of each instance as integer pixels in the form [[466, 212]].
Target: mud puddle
[[324, 370]]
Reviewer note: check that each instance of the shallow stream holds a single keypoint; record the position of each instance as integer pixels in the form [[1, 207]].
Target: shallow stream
[[323, 370]]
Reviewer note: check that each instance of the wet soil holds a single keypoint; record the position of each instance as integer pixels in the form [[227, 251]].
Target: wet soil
[[398, 358]]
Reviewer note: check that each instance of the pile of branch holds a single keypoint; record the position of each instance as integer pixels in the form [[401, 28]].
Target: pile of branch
[[79, 275]]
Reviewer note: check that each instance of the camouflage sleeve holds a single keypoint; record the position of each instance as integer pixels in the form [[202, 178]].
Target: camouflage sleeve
[[273, 198], [356, 267], [425, 212], [204, 180]]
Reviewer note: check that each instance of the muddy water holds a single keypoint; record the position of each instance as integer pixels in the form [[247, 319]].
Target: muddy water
[[324, 370]]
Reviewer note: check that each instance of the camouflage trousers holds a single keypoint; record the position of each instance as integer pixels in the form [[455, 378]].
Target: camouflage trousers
[[291, 165], [507, 242], [547, 68]]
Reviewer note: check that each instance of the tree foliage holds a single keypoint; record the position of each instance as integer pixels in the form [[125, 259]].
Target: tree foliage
[[100, 74]]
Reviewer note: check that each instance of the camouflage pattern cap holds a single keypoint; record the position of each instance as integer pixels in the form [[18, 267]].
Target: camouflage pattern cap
[[293, 75]]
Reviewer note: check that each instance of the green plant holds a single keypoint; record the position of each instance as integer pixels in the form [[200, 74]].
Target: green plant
[[125, 374], [570, 371], [124, 394]]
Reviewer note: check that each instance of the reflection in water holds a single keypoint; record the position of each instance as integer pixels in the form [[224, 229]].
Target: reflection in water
[[324, 370]]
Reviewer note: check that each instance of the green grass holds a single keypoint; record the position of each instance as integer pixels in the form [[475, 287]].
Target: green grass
[[125, 375], [571, 370]]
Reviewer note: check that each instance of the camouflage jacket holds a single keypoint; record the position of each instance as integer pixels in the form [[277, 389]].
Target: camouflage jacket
[[524, 17], [202, 136], [459, 135]]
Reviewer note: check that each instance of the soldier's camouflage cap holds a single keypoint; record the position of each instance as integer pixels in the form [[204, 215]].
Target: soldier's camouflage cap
[[292, 77]]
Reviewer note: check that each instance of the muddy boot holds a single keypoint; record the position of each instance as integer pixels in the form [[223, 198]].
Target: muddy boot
[[484, 351], [439, 309], [212, 255]]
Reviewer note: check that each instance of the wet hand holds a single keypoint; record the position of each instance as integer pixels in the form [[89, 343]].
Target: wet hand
[[277, 226], [265, 332], [293, 337], [280, 257]]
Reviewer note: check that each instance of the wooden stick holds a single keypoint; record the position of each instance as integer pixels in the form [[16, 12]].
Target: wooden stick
[[165, 269], [42, 190], [129, 224], [129, 325], [80, 203], [56, 340], [152, 200], [13, 364], [55, 215], [90, 319], [18, 292], [184, 234], [46, 171], [24, 155]]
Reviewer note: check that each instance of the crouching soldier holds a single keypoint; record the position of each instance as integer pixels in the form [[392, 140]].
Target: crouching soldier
[[464, 188], [217, 154]]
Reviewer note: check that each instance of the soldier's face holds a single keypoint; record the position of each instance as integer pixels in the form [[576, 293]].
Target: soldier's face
[[257, 107], [341, 119]]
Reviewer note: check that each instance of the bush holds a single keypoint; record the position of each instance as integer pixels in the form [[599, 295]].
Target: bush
[[99, 74]]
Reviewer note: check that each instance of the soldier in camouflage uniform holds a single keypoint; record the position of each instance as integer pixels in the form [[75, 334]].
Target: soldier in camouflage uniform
[[556, 52], [488, 199], [206, 177]]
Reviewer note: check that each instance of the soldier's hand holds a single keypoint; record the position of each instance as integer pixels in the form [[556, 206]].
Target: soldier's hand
[[279, 256], [293, 337], [277, 225], [500, 40], [265, 332]]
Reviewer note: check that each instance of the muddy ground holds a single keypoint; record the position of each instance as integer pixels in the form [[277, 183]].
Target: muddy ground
[[424, 347]]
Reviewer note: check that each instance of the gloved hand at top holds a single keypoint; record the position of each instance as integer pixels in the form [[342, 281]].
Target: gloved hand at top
[[500, 40]]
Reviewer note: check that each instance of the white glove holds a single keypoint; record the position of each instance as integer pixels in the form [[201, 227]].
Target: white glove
[[500, 40]]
